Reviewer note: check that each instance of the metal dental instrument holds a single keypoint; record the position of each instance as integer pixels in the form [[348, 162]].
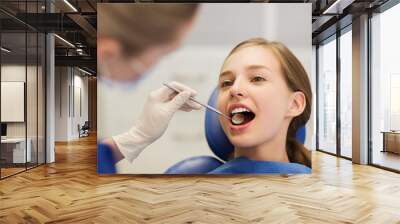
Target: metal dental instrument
[[204, 105]]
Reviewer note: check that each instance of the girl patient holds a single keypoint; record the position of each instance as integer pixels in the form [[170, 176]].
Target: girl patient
[[266, 91]]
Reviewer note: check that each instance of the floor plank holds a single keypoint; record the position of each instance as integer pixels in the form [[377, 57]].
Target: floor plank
[[70, 191], [387, 159]]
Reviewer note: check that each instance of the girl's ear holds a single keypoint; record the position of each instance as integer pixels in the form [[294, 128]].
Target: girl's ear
[[296, 104]]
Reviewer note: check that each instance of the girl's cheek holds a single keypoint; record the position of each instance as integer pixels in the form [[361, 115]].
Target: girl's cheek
[[220, 102], [269, 110]]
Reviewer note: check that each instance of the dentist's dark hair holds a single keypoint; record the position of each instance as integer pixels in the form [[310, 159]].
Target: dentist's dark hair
[[297, 80], [139, 26]]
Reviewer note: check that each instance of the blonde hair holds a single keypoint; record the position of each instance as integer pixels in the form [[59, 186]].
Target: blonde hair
[[141, 25], [297, 80]]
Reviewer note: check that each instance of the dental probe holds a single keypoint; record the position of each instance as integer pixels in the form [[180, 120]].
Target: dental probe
[[204, 105]]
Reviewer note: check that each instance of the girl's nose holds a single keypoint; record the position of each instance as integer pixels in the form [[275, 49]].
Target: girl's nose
[[237, 89]]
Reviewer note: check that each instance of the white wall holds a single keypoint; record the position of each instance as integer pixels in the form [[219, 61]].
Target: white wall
[[17, 73], [81, 82], [217, 30], [14, 73], [33, 127], [50, 95], [61, 103], [67, 115]]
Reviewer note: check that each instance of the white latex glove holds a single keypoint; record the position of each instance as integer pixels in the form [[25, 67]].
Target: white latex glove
[[158, 110]]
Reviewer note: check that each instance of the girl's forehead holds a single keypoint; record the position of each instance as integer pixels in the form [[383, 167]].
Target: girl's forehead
[[251, 55]]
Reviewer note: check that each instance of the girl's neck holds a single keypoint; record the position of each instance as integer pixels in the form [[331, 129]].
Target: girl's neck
[[271, 150]]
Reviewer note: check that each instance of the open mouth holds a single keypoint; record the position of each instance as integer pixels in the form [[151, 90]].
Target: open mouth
[[241, 116]]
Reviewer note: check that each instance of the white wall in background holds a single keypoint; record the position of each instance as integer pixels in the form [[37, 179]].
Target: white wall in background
[[71, 103], [61, 103], [18, 73], [12, 101], [80, 104]]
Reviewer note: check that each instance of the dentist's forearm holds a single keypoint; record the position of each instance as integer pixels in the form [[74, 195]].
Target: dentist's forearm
[[131, 143], [127, 145]]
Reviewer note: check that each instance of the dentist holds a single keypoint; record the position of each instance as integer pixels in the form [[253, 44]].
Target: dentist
[[131, 39]]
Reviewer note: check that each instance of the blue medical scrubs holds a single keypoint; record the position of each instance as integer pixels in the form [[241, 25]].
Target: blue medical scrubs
[[243, 165], [105, 159]]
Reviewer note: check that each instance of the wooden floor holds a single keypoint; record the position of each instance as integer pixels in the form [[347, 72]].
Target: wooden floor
[[387, 159], [5, 172], [10, 171], [70, 191]]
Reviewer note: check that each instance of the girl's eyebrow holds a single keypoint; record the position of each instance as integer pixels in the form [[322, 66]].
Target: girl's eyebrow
[[254, 67], [225, 73], [250, 67]]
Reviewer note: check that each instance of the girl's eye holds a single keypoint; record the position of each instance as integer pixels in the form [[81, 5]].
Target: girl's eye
[[226, 83], [258, 78]]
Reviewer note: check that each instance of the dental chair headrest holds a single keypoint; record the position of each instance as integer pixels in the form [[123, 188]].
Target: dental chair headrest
[[216, 138]]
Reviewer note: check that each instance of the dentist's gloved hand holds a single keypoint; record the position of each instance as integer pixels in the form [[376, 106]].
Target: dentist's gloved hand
[[161, 105]]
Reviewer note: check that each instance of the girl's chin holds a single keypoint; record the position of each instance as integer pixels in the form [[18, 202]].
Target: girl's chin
[[241, 142]]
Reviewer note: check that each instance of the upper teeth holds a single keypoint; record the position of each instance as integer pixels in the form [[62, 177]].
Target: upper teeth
[[239, 110]]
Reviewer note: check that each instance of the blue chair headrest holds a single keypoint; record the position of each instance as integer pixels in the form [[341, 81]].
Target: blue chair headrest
[[216, 138]]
